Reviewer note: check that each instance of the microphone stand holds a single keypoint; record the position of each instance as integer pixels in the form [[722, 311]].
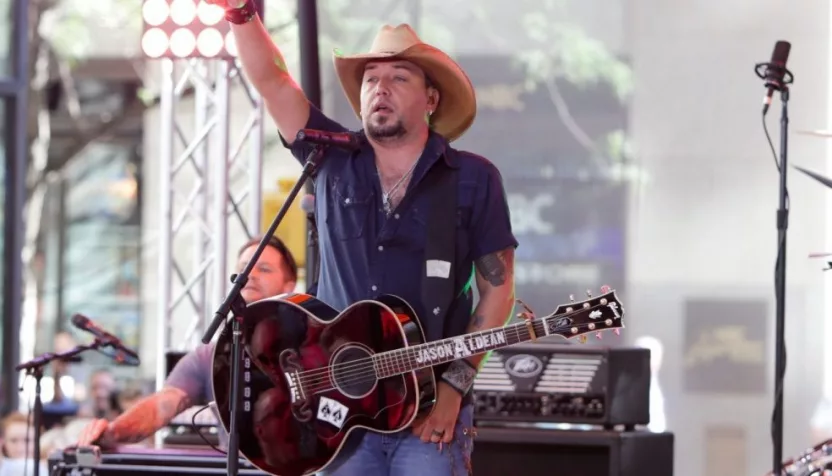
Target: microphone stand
[[778, 77], [235, 304], [780, 282], [312, 261], [34, 368]]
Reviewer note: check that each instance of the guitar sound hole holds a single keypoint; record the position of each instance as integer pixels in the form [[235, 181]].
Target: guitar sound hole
[[353, 371]]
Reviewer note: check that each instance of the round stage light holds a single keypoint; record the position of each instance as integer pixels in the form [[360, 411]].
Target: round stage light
[[154, 42], [209, 42], [231, 44], [182, 42], [183, 12], [155, 12], [208, 14]]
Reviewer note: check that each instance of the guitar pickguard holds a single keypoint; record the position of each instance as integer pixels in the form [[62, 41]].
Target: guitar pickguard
[[291, 368]]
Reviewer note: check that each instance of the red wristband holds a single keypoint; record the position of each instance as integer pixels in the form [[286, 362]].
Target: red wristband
[[242, 14]]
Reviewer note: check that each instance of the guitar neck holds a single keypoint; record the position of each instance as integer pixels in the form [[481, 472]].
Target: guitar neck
[[408, 359]]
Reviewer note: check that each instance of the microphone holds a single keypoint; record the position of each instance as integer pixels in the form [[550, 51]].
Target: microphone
[[343, 140], [307, 204], [123, 354], [776, 71]]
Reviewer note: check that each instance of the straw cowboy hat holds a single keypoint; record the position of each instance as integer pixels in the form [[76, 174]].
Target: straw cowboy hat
[[457, 100]]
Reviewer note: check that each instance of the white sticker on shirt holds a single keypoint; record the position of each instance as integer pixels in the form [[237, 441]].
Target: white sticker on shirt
[[332, 412], [437, 268]]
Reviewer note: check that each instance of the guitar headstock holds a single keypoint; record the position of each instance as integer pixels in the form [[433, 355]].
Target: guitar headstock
[[594, 314]]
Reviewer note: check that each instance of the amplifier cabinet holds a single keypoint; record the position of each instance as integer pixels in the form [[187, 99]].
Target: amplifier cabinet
[[565, 383], [540, 452]]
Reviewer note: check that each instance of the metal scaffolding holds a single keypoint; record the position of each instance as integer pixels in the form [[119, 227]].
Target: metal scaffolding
[[198, 205]]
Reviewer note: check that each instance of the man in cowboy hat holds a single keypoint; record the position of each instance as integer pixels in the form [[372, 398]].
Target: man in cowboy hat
[[374, 206]]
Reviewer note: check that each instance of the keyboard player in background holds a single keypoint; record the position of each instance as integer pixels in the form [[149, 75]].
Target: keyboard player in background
[[190, 380]]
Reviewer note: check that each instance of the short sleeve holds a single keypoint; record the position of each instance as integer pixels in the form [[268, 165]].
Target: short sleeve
[[192, 374], [490, 218], [318, 121]]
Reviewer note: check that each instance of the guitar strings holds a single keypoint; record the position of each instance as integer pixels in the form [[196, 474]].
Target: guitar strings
[[406, 352], [360, 366], [358, 377], [371, 376], [364, 369]]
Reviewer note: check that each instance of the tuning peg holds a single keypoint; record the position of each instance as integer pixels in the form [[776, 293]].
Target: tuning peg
[[598, 335], [582, 339], [605, 289], [588, 293], [617, 331], [572, 298]]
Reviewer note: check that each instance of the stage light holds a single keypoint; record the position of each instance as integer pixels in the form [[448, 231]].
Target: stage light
[[230, 44], [154, 43], [185, 29], [155, 12], [182, 43], [183, 12], [209, 42], [209, 15]]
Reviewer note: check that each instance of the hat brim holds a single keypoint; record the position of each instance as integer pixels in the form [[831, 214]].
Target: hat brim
[[457, 99]]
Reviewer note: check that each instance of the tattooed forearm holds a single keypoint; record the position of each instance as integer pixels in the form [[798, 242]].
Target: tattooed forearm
[[495, 283], [493, 268], [148, 416]]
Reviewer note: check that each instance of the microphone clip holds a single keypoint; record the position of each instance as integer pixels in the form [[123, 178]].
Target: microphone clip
[[774, 81]]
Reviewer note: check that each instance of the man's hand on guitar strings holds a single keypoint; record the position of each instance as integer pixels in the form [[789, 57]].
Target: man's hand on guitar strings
[[438, 426]]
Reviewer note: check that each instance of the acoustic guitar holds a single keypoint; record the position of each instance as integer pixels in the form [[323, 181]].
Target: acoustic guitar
[[313, 375]]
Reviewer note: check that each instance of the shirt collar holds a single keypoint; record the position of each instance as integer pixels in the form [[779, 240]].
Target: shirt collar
[[436, 146]]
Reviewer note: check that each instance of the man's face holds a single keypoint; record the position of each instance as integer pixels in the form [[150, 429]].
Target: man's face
[[102, 385], [268, 277], [395, 99]]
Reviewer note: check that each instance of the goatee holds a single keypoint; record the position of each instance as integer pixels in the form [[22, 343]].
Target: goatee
[[386, 132]]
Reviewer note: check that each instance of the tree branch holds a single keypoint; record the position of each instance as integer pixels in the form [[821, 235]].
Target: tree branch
[[571, 124], [73, 101]]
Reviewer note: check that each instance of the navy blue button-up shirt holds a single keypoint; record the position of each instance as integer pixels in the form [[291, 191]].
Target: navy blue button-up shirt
[[364, 253]]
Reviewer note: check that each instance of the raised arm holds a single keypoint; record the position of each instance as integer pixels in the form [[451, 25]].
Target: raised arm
[[265, 67]]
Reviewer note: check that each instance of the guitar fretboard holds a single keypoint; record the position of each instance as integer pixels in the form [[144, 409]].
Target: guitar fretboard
[[397, 362]]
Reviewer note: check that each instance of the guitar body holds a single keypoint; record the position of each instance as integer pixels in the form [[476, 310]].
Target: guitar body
[[297, 411]]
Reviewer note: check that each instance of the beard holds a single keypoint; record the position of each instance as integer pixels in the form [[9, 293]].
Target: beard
[[383, 128]]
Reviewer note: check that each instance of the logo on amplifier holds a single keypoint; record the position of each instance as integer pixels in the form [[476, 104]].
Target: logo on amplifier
[[524, 365]]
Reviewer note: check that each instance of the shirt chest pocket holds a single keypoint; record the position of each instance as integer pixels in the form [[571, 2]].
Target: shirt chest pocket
[[349, 211], [418, 220]]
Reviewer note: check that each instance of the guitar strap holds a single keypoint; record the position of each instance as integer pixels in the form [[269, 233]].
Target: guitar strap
[[439, 278]]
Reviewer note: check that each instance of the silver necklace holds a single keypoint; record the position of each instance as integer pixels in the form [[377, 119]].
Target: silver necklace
[[386, 200]]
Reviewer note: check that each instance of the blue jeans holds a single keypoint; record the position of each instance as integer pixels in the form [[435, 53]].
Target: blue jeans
[[404, 454]]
